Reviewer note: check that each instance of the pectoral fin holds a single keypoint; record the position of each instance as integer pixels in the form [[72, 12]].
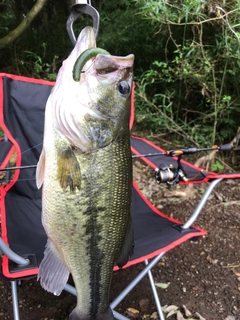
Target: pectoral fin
[[69, 173], [127, 248], [40, 170], [53, 274]]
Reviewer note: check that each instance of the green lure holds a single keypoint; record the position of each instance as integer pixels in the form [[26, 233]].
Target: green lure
[[83, 58]]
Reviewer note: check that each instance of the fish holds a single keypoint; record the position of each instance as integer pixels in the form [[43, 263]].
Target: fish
[[85, 172]]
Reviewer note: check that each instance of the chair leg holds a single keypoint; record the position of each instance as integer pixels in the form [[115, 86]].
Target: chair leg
[[155, 294], [119, 316], [135, 282], [70, 289], [15, 300]]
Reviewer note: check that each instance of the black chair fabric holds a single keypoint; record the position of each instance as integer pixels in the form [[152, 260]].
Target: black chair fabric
[[22, 106]]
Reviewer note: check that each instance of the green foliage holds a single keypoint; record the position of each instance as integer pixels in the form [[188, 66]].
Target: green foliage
[[122, 31], [41, 69], [192, 90], [187, 62], [217, 166], [36, 52], [6, 18]]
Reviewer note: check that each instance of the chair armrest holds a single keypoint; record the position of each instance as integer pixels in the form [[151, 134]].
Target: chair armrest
[[201, 203], [12, 255]]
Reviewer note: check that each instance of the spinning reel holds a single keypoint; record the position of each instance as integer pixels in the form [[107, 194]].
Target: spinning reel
[[173, 175], [170, 175]]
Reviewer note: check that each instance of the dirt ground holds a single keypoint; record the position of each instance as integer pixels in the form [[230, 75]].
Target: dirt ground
[[203, 276]]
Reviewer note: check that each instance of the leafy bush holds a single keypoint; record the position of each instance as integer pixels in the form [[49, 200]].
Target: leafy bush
[[187, 58], [193, 89]]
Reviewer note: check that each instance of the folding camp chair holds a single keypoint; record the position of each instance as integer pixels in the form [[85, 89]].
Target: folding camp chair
[[23, 239]]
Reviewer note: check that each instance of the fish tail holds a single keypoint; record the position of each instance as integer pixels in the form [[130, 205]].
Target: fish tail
[[108, 315]]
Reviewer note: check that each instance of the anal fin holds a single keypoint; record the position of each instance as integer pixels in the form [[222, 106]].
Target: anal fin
[[53, 273]]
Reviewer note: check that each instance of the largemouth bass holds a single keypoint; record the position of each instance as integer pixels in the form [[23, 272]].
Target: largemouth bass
[[86, 171]]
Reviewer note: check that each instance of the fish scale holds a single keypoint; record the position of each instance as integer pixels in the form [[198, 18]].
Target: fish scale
[[102, 216]]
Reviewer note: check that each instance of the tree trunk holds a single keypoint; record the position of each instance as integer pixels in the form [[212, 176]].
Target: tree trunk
[[23, 25]]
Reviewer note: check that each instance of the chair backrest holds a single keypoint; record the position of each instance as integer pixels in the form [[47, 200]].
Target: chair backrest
[[22, 109], [22, 106]]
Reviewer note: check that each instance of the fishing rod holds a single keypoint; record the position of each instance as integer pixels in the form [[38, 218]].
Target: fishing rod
[[164, 173], [173, 175], [184, 151], [171, 153], [19, 167]]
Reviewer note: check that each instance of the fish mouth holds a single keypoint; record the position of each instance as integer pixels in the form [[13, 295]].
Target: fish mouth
[[105, 64]]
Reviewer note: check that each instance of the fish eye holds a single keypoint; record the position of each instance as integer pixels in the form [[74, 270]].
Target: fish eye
[[123, 87]]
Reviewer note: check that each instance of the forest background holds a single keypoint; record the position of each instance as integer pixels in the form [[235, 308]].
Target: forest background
[[187, 58]]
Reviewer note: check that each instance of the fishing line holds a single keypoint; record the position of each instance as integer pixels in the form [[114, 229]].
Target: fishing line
[[84, 71], [3, 181], [37, 145], [25, 151]]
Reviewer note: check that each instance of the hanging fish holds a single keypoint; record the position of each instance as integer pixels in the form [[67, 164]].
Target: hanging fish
[[86, 172]]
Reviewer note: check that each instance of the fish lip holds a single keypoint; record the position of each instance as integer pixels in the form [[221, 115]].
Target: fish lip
[[124, 62], [105, 63]]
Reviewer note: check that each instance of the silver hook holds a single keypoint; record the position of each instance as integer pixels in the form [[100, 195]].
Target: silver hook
[[77, 8]]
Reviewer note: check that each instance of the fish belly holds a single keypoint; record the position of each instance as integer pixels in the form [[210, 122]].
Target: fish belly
[[88, 224]]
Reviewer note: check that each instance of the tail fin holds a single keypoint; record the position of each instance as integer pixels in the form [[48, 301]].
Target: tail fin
[[108, 315]]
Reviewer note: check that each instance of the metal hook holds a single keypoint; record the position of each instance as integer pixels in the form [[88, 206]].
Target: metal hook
[[77, 8]]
